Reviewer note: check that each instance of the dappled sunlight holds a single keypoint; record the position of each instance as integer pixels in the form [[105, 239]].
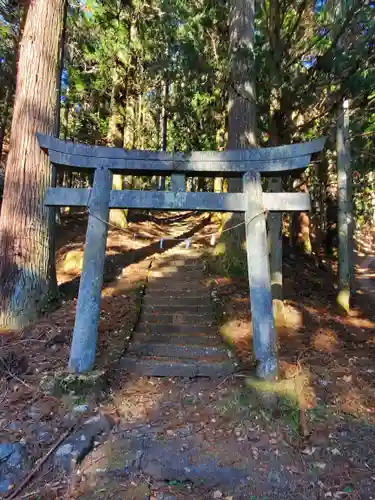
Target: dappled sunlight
[[238, 335], [326, 340], [357, 401], [334, 351], [72, 262], [137, 397]]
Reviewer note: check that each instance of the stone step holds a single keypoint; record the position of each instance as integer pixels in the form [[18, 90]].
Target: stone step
[[185, 277], [175, 262], [176, 286], [179, 308], [166, 367], [204, 340], [151, 300], [177, 350], [171, 271], [178, 318], [187, 294], [181, 329]]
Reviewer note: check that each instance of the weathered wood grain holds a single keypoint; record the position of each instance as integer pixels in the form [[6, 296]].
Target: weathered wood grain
[[264, 333], [82, 353]]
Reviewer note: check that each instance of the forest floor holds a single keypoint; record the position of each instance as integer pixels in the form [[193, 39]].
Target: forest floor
[[216, 438]]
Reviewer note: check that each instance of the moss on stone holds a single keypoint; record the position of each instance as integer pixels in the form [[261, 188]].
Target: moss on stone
[[79, 385]]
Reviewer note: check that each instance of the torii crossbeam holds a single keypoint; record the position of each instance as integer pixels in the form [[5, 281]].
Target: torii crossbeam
[[246, 163]]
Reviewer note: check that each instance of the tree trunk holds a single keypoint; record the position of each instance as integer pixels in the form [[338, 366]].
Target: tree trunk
[[275, 234], [344, 216], [66, 114], [60, 69], [56, 218], [164, 127], [118, 217], [27, 272], [241, 118], [275, 237]]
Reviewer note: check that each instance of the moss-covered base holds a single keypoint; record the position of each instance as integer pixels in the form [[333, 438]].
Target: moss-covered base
[[283, 395], [80, 385]]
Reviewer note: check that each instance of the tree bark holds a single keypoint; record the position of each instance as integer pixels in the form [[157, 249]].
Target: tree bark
[[241, 118], [275, 236], [164, 127], [55, 214], [60, 69], [345, 216], [242, 100], [118, 217], [26, 264]]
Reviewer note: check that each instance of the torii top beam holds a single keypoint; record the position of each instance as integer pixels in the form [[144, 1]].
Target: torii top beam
[[229, 163]]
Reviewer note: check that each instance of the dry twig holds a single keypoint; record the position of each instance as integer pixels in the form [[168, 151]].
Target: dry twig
[[39, 463]]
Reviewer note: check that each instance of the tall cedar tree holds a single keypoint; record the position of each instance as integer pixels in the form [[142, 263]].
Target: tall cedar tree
[[27, 272], [241, 116]]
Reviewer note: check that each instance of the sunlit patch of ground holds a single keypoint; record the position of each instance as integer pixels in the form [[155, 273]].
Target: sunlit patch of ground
[[318, 437], [41, 350], [337, 351]]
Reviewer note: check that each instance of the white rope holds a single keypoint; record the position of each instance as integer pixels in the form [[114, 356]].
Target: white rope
[[170, 238]]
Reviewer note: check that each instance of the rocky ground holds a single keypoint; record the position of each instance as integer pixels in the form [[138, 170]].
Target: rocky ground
[[142, 437]]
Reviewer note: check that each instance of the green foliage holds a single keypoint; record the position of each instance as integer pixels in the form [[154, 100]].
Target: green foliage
[[9, 33], [120, 54]]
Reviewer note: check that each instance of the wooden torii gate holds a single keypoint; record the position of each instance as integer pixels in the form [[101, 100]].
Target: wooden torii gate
[[246, 163]]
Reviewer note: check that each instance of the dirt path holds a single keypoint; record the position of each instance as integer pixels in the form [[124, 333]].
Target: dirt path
[[190, 438], [195, 437]]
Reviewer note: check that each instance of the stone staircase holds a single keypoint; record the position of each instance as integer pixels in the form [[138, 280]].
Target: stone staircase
[[177, 334]]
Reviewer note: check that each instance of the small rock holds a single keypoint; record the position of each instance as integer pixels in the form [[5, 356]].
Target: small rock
[[335, 451], [65, 449], [13, 461], [76, 447], [73, 451], [45, 435], [217, 494], [14, 426], [81, 409], [308, 450], [320, 465], [98, 424]]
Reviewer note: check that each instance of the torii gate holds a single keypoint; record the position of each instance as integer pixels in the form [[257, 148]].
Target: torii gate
[[246, 163]]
